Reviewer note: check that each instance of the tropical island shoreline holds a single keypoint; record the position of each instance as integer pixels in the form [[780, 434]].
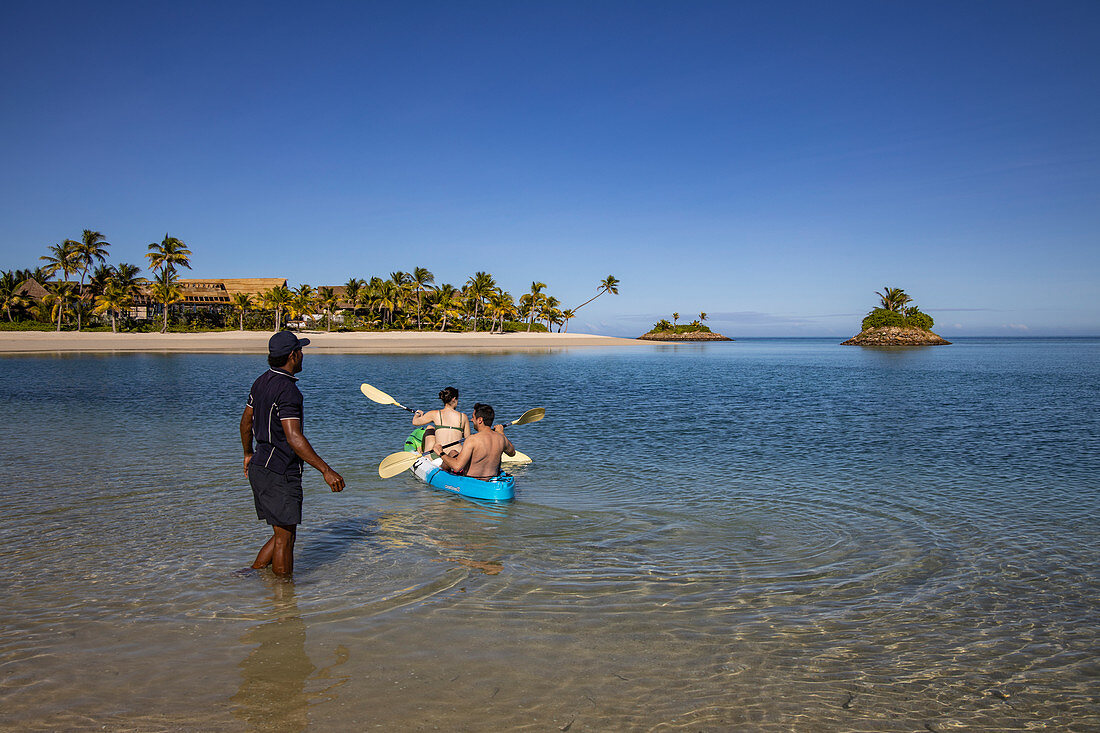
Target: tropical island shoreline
[[321, 342]]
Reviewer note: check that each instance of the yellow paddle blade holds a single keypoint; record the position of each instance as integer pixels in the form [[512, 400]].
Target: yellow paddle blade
[[376, 395], [395, 463], [517, 458], [532, 415]]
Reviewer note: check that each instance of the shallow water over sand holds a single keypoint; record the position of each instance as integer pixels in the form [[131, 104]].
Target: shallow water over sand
[[814, 538]]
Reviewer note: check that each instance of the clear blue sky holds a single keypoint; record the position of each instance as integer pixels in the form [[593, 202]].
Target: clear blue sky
[[770, 163]]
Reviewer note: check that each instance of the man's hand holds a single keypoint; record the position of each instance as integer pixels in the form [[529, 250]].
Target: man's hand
[[333, 479], [498, 428], [247, 460]]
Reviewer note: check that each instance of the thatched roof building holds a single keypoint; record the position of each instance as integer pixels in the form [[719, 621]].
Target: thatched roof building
[[217, 291], [32, 289]]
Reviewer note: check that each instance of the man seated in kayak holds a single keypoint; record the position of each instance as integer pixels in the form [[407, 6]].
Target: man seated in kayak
[[480, 454], [451, 426]]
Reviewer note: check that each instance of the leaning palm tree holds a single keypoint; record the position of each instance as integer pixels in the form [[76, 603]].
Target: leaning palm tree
[[610, 284], [64, 258], [893, 299], [422, 280], [703, 316], [242, 303], [91, 247]]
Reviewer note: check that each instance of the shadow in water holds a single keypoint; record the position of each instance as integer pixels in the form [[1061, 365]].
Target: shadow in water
[[273, 695], [332, 540]]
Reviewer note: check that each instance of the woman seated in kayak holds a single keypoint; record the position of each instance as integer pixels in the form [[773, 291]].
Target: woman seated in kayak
[[480, 455], [451, 426]]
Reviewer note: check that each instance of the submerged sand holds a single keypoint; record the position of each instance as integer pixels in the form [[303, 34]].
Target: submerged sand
[[255, 342]]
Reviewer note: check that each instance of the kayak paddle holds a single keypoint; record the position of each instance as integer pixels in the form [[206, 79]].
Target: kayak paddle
[[532, 415], [376, 395], [395, 463]]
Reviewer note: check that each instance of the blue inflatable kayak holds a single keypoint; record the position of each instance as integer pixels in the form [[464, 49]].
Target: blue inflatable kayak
[[498, 488]]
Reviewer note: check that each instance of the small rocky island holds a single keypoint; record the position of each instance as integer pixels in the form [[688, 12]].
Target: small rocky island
[[694, 331], [896, 323]]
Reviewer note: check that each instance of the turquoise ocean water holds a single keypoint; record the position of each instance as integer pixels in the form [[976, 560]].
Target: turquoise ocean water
[[758, 535]]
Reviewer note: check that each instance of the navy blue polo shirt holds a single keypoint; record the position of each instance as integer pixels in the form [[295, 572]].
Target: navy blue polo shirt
[[274, 397]]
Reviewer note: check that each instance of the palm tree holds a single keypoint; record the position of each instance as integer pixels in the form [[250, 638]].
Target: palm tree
[[126, 281], [166, 290], [97, 283], [9, 293], [351, 294], [675, 317], [368, 296], [303, 302], [549, 310], [326, 298], [893, 299], [610, 284], [501, 305], [447, 302], [422, 280], [566, 315], [169, 253], [389, 297], [91, 247], [702, 316], [276, 299], [113, 299], [533, 299], [242, 303], [166, 256], [479, 287], [59, 299], [63, 257]]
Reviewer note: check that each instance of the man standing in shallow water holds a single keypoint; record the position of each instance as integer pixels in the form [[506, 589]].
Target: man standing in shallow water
[[273, 416]]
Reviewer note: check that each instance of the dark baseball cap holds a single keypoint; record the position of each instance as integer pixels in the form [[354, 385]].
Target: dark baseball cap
[[285, 342]]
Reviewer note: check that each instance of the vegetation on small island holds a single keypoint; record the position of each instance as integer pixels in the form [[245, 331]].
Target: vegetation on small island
[[894, 310], [895, 322], [663, 330], [696, 326], [117, 296]]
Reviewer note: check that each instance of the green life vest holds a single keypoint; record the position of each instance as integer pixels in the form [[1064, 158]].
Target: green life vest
[[415, 441]]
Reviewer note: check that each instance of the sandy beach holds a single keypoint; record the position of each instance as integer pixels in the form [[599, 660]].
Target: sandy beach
[[255, 342]]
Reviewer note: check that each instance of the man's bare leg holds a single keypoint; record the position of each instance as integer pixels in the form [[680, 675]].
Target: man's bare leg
[[282, 557], [263, 558]]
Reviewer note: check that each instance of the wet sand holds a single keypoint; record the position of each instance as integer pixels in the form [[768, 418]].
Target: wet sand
[[255, 342]]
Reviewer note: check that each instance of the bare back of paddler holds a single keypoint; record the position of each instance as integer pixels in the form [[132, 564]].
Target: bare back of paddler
[[480, 454], [451, 426]]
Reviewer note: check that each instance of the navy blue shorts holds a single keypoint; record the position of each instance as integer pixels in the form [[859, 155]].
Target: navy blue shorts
[[278, 496]]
